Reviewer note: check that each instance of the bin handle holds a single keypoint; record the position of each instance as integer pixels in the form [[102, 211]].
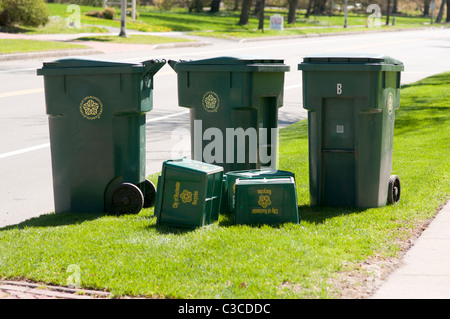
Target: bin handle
[[174, 63], [153, 66]]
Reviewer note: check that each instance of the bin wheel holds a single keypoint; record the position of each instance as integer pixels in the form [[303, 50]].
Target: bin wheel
[[149, 194], [127, 199], [394, 190]]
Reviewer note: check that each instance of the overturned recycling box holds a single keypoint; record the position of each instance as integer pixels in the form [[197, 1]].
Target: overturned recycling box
[[229, 187], [233, 105], [189, 193], [266, 201], [97, 117]]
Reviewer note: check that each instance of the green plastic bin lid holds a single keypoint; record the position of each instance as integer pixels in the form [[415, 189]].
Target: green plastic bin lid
[[350, 62], [193, 165], [232, 63], [265, 181], [90, 66]]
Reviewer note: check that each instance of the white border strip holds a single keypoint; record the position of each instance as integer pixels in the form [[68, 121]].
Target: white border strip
[[24, 150]]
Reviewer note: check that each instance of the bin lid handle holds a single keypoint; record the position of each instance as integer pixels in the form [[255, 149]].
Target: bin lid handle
[[153, 66], [174, 63]]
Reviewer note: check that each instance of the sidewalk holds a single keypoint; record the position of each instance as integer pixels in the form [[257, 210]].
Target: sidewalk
[[25, 290], [96, 47], [424, 271]]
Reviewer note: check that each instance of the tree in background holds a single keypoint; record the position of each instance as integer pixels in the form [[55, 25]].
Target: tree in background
[[388, 13], [215, 5], [316, 7], [292, 11], [31, 13], [441, 12], [196, 6], [261, 15], [448, 12], [245, 12]]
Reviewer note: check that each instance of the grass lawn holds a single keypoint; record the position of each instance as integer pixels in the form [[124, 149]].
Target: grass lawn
[[9, 46], [56, 24], [223, 22], [131, 255]]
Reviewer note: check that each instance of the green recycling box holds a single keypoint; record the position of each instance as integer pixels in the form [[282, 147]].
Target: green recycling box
[[351, 101], [233, 105], [228, 199], [189, 193], [266, 201], [97, 114]]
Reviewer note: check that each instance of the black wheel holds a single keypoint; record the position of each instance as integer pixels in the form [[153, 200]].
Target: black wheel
[[127, 199], [394, 190], [149, 194]]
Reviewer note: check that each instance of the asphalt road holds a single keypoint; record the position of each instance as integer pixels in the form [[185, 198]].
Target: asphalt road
[[25, 161]]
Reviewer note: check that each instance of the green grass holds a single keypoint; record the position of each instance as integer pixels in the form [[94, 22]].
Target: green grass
[[9, 46], [153, 20], [222, 24], [133, 39], [56, 24], [131, 255]]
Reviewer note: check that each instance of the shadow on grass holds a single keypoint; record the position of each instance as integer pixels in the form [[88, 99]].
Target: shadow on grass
[[97, 39], [437, 79], [318, 215], [13, 29], [184, 21], [54, 220]]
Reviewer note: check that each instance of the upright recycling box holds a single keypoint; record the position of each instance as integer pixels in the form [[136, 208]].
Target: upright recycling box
[[266, 201], [96, 111], [351, 101], [189, 193], [233, 105]]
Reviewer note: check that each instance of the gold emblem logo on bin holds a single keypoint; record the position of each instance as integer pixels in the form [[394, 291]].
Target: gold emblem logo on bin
[[91, 107], [390, 102], [211, 101], [264, 201]]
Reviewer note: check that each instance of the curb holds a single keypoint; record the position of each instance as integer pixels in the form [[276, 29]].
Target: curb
[[317, 35], [180, 45], [26, 290], [46, 54], [76, 52]]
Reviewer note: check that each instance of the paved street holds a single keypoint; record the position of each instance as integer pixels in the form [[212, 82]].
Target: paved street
[[25, 168]]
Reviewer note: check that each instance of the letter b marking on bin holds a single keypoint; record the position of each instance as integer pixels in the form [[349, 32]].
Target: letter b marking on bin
[[339, 88]]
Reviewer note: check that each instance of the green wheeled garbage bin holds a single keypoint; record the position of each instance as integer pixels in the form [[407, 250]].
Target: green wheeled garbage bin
[[189, 193], [97, 116], [233, 105], [351, 101]]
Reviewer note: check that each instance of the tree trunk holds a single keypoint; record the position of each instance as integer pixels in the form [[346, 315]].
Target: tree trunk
[[426, 7], [236, 5], [258, 5], [245, 12], [441, 12], [196, 6], [388, 14], [394, 6], [320, 6], [261, 15], [308, 10], [215, 5], [291, 13], [448, 12]]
